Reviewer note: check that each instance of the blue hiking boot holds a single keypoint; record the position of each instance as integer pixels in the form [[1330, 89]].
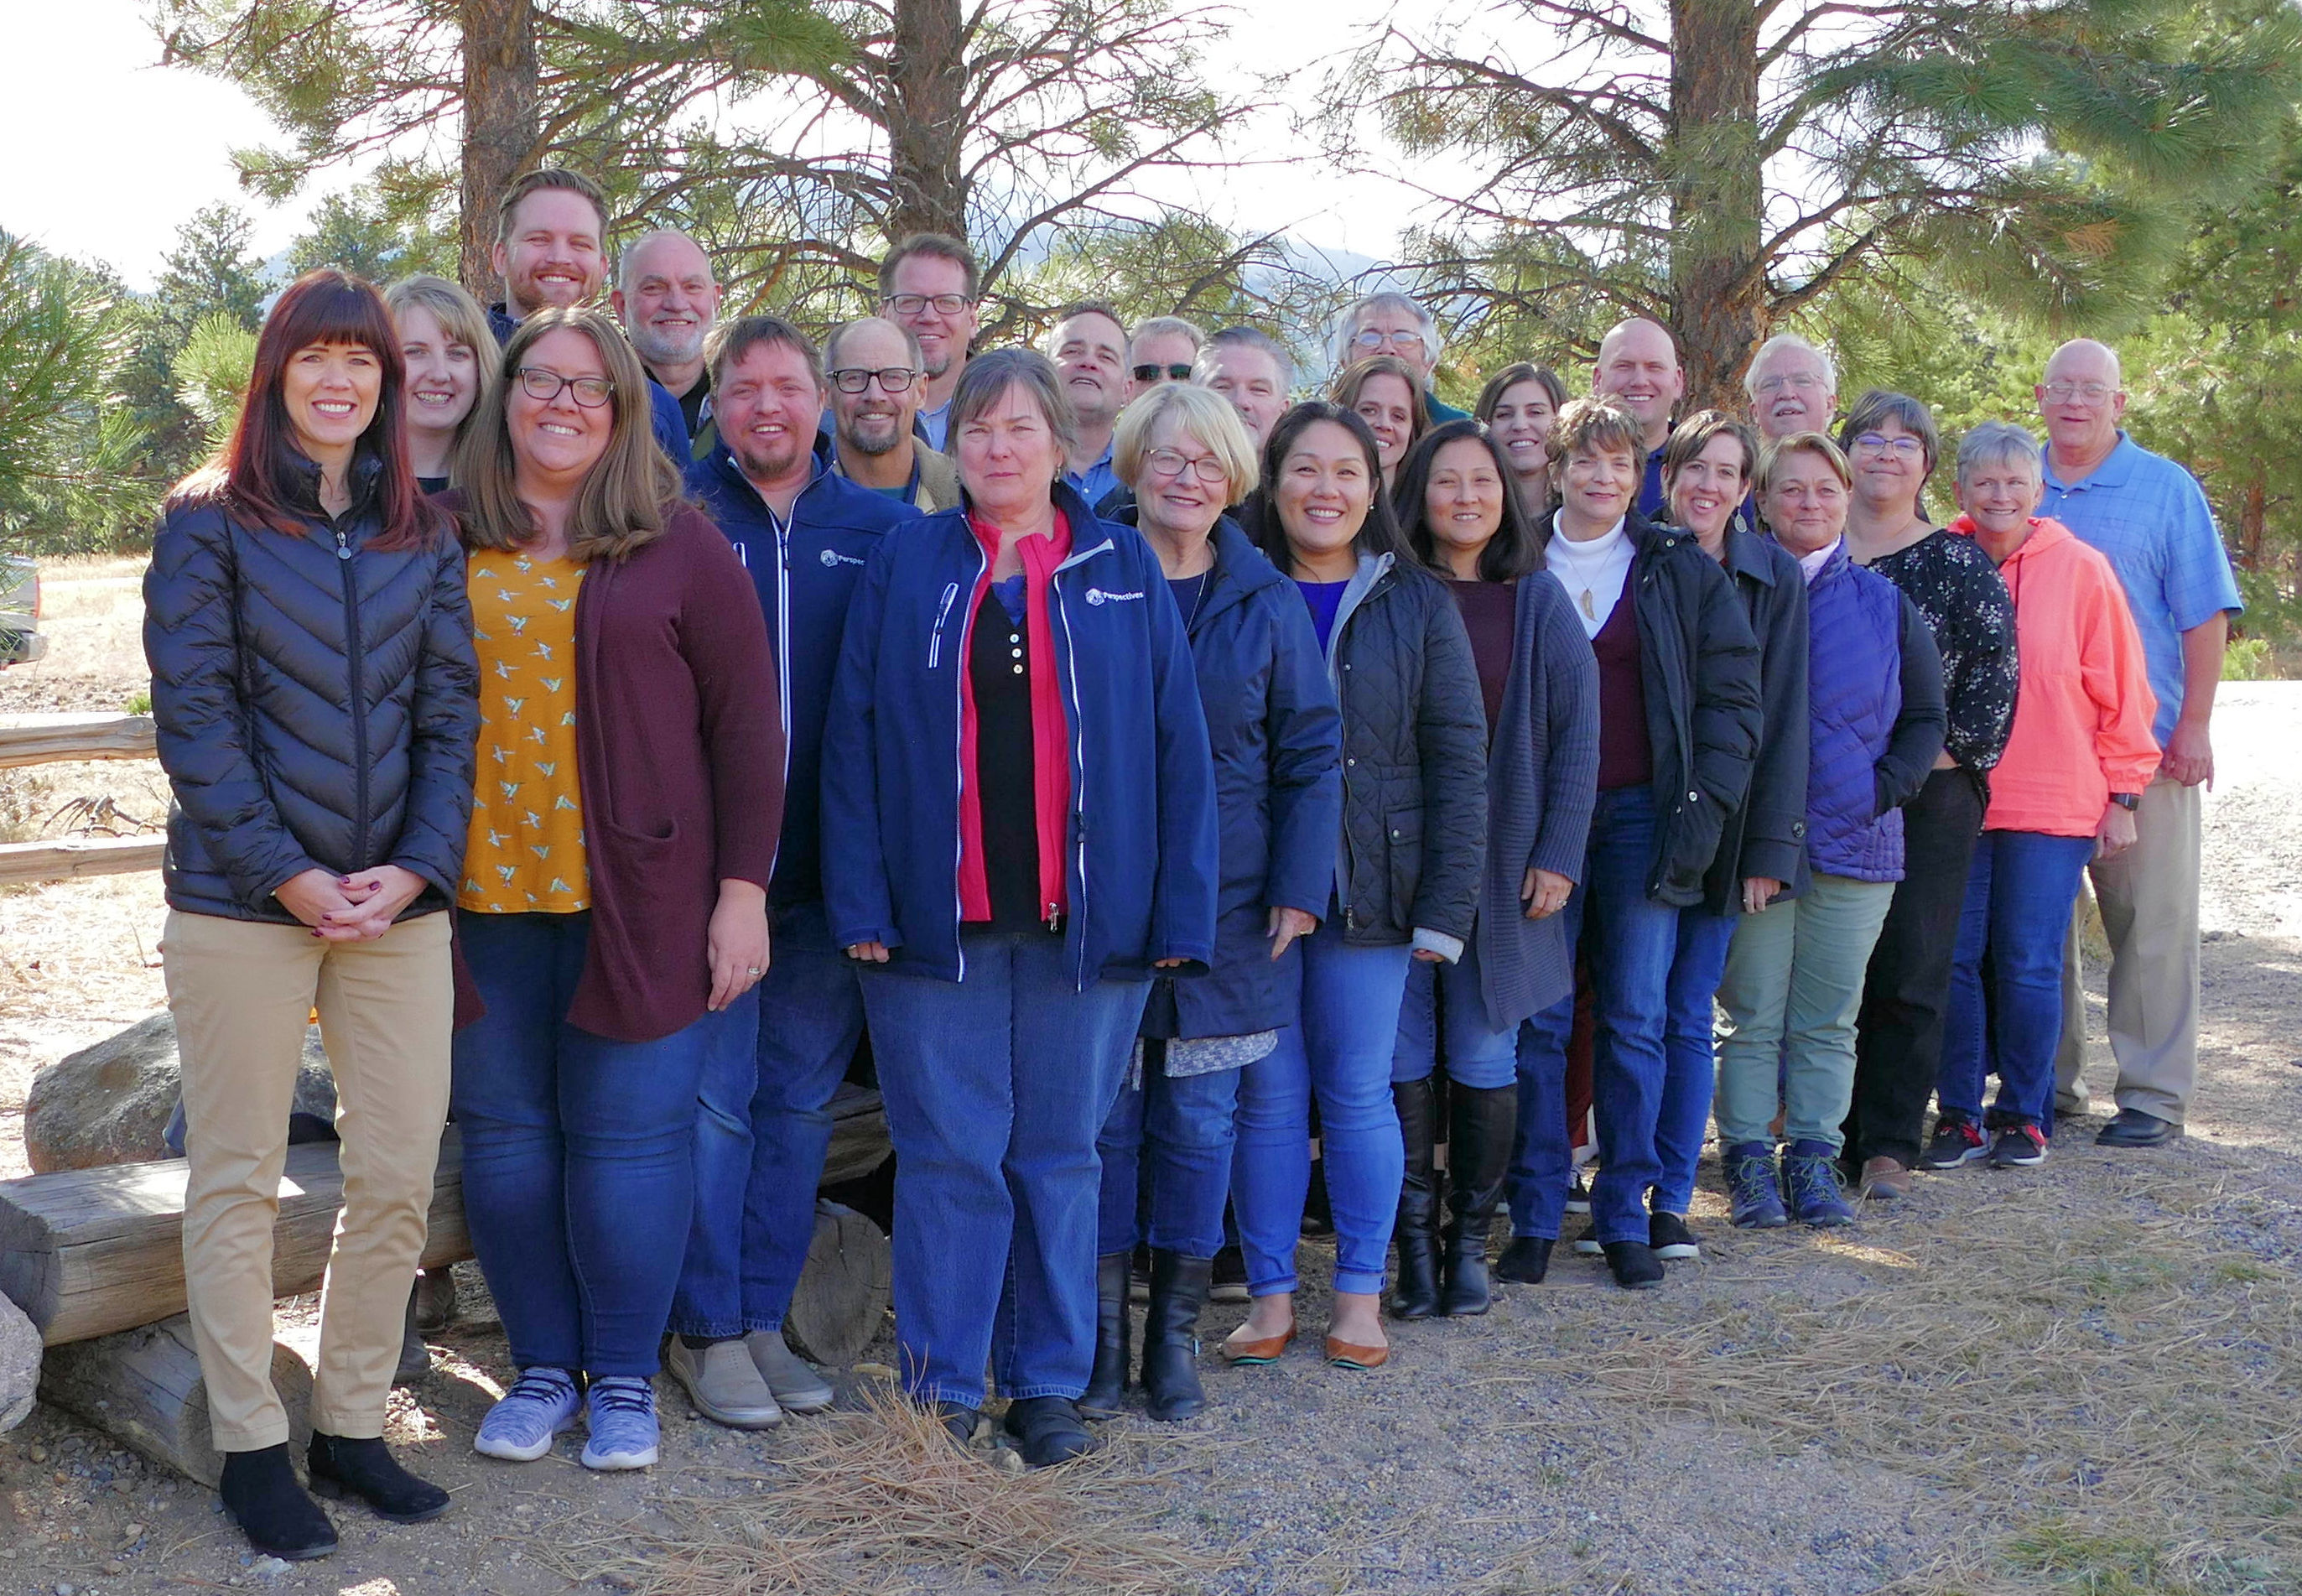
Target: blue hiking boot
[[623, 1429], [1811, 1175], [1754, 1196], [520, 1428]]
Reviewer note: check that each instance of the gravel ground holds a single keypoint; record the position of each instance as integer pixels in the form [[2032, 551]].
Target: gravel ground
[[1576, 1437]]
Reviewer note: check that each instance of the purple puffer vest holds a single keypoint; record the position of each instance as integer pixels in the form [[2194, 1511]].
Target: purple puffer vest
[[1855, 655]]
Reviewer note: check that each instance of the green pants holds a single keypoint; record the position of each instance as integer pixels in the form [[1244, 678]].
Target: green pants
[[1795, 970]]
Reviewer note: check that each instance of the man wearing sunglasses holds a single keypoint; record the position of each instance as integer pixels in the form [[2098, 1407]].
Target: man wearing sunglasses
[[875, 381], [928, 287], [1163, 348]]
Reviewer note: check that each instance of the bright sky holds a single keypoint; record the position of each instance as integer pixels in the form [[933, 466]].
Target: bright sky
[[109, 152]]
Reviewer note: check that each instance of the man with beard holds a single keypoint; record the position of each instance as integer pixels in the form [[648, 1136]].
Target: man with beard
[[1638, 368], [764, 1122], [1088, 345], [928, 287], [666, 298], [551, 225], [874, 378]]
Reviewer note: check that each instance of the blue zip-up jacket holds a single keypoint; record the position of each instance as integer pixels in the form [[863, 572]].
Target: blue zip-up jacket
[[1277, 736], [1142, 857], [806, 574], [1875, 696]]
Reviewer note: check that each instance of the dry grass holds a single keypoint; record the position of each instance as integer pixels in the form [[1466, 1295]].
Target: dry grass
[[879, 1503], [2115, 1406]]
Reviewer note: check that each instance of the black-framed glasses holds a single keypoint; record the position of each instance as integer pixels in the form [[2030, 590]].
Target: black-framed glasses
[[856, 379], [1170, 462], [1879, 443], [912, 304], [543, 386], [1175, 371]]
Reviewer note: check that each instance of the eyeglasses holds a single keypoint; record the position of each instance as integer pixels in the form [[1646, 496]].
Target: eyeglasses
[[856, 379], [1174, 370], [1910, 449], [1805, 382], [1373, 340], [912, 304], [543, 386], [1169, 462], [2063, 393]]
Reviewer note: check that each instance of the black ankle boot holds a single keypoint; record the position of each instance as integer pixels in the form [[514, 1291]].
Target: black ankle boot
[[260, 1492], [1483, 1122], [1171, 1336], [1100, 1400], [365, 1468], [415, 1356], [1416, 1295], [1526, 1261], [1047, 1431]]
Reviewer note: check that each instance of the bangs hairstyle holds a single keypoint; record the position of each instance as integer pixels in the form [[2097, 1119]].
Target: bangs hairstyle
[[1878, 405], [1351, 382], [985, 381], [1594, 425], [461, 317], [1771, 458], [1200, 413], [1692, 436], [1378, 534], [261, 473], [1510, 377], [1511, 553], [1998, 443], [632, 489]]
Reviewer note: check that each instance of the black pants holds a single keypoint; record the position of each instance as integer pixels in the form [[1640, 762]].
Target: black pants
[[1898, 1042]]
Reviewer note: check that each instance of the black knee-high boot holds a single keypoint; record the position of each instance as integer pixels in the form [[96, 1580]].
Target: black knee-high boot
[[1483, 1122], [1100, 1400], [1416, 1234]]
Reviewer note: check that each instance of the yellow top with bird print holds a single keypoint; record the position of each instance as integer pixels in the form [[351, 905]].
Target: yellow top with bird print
[[526, 849]]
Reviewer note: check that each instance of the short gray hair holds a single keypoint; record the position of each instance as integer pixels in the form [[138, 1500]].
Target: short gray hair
[[1347, 324], [1153, 326], [987, 378], [630, 253], [1997, 443], [1243, 337], [1775, 346], [831, 343]]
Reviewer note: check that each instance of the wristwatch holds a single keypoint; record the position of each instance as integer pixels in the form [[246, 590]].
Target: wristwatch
[[2129, 801]]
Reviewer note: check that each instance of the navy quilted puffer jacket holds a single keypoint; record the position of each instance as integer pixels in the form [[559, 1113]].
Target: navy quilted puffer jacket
[[317, 703]]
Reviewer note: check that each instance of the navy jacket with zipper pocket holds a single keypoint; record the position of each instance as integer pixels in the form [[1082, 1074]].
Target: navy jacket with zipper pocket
[[1141, 856]]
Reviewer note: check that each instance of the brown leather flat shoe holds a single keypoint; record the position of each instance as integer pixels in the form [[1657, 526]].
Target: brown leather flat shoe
[[1885, 1180], [1252, 1353], [1343, 1355]]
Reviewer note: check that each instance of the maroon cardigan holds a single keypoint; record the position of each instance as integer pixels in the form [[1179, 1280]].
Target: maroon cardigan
[[679, 758]]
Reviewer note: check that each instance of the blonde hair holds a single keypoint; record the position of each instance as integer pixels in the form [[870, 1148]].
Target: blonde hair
[[1778, 450], [461, 317], [1201, 413], [631, 489]]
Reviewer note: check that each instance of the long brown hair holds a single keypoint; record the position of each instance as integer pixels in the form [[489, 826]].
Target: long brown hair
[[257, 473], [630, 492]]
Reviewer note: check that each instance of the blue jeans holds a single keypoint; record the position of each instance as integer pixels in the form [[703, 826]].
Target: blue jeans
[[1342, 1050], [2019, 890], [995, 1086], [762, 1128], [1631, 942], [1690, 1067], [1442, 1002], [1188, 1122], [579, 1153]]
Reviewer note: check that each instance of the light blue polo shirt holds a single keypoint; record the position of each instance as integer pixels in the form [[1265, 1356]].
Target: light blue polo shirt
[[2151, 517], [1097, 479]]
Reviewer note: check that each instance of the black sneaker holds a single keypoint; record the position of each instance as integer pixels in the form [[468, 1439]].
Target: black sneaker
[[1578, 1196], [1229, 1276], [2018, 1146], [1671, 1239], [1955, 1142], [1526, 1261], [1587, 1243], [1635, 1266]]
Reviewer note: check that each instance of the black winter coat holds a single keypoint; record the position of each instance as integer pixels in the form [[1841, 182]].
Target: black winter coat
[[1415, 760], [1767, 836], [317, 704]]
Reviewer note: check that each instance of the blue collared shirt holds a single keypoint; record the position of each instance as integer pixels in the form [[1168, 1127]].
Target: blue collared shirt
[[2151, 518], [1097, 481]]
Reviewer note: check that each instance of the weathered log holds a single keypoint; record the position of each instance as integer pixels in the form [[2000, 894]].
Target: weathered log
[[859, 1135], [53, 739], [75, 857], [143, 1388], [91, 1251], [844, 1289]]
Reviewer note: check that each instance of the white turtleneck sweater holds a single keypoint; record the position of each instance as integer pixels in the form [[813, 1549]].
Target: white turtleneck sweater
[[1592, 572]]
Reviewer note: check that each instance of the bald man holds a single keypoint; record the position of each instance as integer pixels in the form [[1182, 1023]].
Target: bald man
[[2150, 517], [1638, 368], [668, 299]]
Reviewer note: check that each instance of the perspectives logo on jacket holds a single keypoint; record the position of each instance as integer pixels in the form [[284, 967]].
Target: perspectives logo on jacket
[[1100, 596], [832, 557]]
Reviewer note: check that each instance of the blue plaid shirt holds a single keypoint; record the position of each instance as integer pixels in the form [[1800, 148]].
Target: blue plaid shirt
[[2150, 517]]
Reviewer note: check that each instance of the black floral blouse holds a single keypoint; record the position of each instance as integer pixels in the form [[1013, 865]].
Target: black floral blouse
[[1959, 591]]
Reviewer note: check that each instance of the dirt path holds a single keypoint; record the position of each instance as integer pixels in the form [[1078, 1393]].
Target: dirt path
[[2081, 1378]]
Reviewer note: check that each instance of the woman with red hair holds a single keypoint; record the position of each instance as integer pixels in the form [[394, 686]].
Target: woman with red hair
[[317, 702]]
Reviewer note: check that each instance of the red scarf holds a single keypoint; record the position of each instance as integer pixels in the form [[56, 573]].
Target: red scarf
[[1051, 760]]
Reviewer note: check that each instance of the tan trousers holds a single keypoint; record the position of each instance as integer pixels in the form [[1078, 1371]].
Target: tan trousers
[[2150, 898], [242, 993]]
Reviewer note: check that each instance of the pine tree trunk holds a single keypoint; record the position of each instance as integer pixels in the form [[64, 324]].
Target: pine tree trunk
[[2253, 520], [926, 131], [500, 96], [1718, 281]]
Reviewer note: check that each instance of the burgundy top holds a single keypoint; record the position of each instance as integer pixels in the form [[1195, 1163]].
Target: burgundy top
[[679, 756], [1490, 616], [1624, 759]]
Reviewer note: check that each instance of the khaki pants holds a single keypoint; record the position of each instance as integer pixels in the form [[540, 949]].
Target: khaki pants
[[2149, 899], [242, 993]]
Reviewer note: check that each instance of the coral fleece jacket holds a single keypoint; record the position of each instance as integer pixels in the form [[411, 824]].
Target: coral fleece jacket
[[2083, 708]]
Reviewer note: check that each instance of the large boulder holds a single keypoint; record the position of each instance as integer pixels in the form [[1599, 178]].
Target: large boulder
[[20, 1365], [110, 1104]]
